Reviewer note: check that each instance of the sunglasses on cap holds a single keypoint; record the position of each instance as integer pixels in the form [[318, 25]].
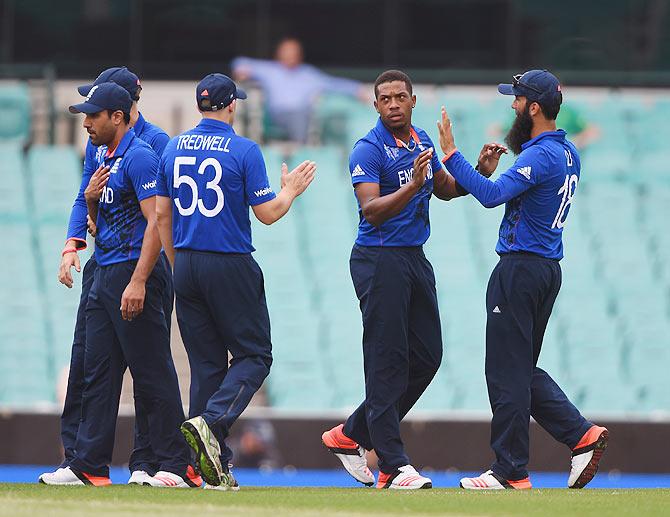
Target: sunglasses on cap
[[516, 81]]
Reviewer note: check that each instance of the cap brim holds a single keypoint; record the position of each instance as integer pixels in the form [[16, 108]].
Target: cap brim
[[506, 89], [240, 93], [83, 90], [85, 107]]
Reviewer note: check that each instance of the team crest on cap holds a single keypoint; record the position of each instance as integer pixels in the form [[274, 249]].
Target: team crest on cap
[[90, 94], [204, 93]]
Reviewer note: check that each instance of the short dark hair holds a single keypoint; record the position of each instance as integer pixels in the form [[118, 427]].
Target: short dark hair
[[126, 116], [390, 76], [550, 110]]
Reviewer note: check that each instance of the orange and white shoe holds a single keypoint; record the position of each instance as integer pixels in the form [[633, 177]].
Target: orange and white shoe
[[405, 478], [489, 480], [193, 479], [349, 453], [164, 479], [586, 456], [69, 476]]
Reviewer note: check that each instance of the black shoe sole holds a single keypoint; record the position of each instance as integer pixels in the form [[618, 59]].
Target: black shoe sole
[[590, 470]]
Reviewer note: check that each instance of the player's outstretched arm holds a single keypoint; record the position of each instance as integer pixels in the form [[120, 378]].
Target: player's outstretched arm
[[132, 300], [377, 208], [293, 184], [164, 222]]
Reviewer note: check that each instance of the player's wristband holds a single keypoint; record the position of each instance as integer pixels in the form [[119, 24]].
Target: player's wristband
[[444, 160], [68, 250]]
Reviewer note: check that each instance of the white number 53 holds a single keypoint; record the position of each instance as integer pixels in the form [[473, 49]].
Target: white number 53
[[185, 179]]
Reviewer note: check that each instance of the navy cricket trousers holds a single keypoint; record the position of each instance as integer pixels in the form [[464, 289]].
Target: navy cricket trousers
[[142, 457], [402, 344], [221, 309], [519, 300], [144, 346]]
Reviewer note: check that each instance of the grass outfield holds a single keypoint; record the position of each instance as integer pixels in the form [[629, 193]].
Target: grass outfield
[[29, 500]]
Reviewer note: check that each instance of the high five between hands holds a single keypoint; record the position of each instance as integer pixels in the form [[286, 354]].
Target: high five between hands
[[488, 156]]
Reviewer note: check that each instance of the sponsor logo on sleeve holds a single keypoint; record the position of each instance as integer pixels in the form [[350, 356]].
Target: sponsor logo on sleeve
[[263, 192], [525, 172], [358, 171], [149, 185]]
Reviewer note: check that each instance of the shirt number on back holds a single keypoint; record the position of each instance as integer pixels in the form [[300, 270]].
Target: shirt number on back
[[567, 191], [185, 179]]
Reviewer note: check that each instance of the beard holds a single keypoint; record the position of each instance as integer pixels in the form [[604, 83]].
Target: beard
[[519, 133]]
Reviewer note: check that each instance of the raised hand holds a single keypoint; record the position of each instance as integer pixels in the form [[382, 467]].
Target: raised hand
[[97, 182], [489, 157], [299, 178], [421, 167], [447, 143]]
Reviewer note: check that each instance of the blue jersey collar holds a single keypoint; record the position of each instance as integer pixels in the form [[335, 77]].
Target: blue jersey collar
[[559, 134], [139, 125], [210, 123], [123, 146]]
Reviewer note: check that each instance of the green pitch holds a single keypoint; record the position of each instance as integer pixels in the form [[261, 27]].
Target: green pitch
[[30, 500]]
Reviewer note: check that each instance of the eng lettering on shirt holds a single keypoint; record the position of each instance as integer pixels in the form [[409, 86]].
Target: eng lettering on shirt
[[406, 175], [204, 143]]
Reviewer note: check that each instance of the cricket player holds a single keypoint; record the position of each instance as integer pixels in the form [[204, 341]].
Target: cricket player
[[121, 200], [538, 191], [141, 464], [208, 178], [394, 171]]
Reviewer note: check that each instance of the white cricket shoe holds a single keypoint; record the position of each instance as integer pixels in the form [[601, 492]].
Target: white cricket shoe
[[207, 450], [68, 476], [586, 456], [164, 479], [349, 453], [489, 480], [405, 478], [138, 477]]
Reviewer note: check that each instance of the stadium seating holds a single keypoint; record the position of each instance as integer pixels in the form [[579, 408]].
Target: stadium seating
[[607, 343], [14, 113]]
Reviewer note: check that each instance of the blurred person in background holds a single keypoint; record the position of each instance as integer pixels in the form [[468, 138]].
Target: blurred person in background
[[537, 191], [291, 87], [142, 464], [255, 446]]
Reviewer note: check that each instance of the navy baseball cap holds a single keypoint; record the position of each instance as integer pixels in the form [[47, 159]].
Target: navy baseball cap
[[216, 91], [119, 75], [105, 96], [536, 85]]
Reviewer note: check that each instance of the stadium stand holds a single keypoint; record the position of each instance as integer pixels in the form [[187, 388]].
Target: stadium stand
[[607, 343]]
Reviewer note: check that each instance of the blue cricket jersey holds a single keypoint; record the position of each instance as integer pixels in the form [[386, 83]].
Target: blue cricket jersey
[[537, 190], [144, 130], [213, 176], [379, 157], [121, 224]]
